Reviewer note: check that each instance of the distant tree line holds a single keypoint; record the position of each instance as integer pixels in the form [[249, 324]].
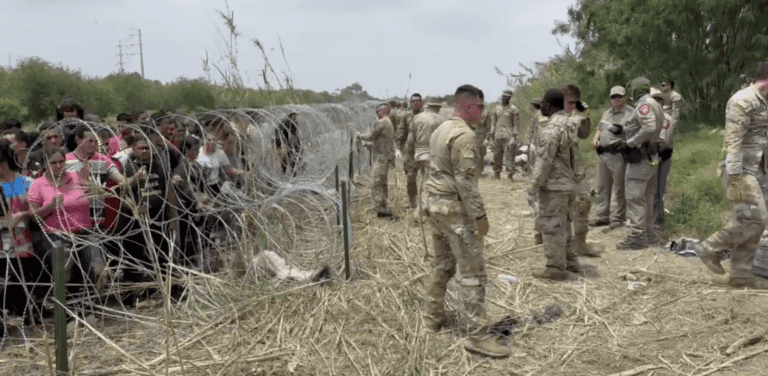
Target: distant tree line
[[32, 90]]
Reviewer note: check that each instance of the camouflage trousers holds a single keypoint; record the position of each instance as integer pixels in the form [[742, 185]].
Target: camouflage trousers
[[411, 173], [554, 222], [639, 190], [580, 206], [456, 246], [503, 155], [380, 189], [610, 205], [481, 151], [741, 234]]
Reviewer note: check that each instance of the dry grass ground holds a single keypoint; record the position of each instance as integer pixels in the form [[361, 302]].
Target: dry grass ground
[[678, 323]]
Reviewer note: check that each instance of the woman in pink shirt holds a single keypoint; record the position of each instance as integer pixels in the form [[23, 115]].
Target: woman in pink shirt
[[59, 201]]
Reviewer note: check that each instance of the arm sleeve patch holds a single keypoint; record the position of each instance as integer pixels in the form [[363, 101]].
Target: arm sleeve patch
[[644, 109]]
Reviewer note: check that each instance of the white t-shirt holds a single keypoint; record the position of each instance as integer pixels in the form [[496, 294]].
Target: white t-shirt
[[212, 164]]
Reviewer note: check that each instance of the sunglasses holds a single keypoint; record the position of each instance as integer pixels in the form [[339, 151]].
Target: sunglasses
[[614, 97]]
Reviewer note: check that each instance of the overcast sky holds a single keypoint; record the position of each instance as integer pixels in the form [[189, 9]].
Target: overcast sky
[[329, 45]]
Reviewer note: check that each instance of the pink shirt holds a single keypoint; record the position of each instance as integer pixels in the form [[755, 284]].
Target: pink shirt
[[114, 145], [71, 217]]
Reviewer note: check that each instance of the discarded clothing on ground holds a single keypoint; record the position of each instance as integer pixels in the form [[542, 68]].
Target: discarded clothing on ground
[[684, 247], [507, 326], [270, 263]]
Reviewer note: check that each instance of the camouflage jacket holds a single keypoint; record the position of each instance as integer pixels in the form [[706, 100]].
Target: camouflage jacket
[[650, 121], [556, 156], [537, 121], [746, 124], [504, 122], [583, 126], [484, 127], [381, 135], [403, 130], [419, 133], [452, 164]]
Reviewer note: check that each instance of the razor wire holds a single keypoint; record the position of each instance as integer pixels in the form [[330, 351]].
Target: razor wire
[[296, 216]]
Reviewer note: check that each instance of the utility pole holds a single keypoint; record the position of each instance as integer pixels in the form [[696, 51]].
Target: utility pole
[[9, 62], [120, 46], [141, 55]]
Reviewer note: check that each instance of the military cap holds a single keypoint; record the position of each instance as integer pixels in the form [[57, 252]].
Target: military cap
[[618, 90], [506, 93], [383, 106], [434, 105]]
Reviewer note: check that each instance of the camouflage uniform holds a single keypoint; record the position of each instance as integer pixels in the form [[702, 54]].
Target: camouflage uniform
[[579, 127], [610, 205], [481, 133], [744, 178], [554, 181], [671, 108], [639, 178], [538, 122], [504, 124], [419, 132], [409, 164], [383, 154], [453, 205], [396, 117]]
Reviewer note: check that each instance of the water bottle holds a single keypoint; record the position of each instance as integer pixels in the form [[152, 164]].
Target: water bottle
[[508, 279]]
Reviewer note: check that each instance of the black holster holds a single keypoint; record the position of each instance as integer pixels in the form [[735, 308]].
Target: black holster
[[632, 155], [600, 150], [665, 154]]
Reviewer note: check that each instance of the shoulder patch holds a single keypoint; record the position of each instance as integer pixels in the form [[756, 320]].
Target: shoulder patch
[[644, 109], [542, 142]]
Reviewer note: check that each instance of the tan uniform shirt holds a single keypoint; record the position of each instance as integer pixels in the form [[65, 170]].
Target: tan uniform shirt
[[484, 127], [420, 132], [746, 124], [624, 117], [452, 152], [382, 136], [504, 122], [556, 156], [671, 107], [396, 117], [650, 121]]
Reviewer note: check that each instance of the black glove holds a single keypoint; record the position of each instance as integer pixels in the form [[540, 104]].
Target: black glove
[[616, 129]]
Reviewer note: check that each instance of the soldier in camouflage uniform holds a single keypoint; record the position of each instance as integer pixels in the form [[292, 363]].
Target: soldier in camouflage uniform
[[553, 183], [419, 133], [640, 150], [401, 137], [610, 205], [744, 179], [481, 135], [538, 122], [381, 135], [579, 128], [505, 120], [458, 221], [671, 102]]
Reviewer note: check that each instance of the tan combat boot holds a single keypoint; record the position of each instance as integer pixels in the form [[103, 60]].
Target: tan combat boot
[[511, 176], [710, 258], [555, 274], [488, 346], [497, 175], [581, 248]]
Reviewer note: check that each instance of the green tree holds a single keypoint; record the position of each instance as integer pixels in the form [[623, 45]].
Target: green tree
[[702, 45]]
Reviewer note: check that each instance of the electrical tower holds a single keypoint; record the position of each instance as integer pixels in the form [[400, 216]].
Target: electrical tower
[[141, 52], [122, 44], [120, 54]]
